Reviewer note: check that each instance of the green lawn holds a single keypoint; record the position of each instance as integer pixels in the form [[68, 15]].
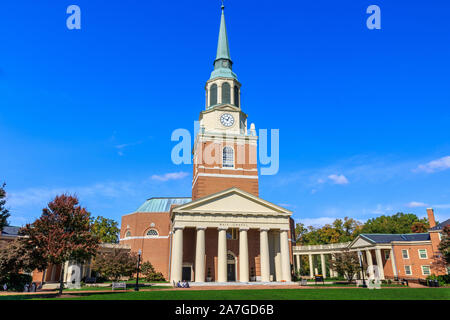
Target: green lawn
[[267, 294]]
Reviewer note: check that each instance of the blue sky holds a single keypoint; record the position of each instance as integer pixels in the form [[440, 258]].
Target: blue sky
[[363, 114]]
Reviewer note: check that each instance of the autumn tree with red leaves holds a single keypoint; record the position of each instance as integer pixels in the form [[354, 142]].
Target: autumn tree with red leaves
[[62, 233]]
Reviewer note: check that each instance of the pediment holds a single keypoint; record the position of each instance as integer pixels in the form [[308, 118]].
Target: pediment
[[360, 242], [232, 201]]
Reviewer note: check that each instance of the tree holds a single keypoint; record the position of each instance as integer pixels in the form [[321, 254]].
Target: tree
[[346, 263], [444, 246], [106, 230], [4, 213], [397, 223], [115, 264], [339, 231], [149, 272], [62, 233], [419, 227]]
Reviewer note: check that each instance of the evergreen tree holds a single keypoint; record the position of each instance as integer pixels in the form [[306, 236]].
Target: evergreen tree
[[4, 213]]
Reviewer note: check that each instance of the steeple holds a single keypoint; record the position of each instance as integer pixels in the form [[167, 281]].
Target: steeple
[[223, 63]]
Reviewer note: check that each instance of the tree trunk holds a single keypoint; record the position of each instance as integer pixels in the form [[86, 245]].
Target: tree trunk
[[61, 282]]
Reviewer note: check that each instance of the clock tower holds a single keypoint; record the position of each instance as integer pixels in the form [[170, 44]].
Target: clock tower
[[225, 150]]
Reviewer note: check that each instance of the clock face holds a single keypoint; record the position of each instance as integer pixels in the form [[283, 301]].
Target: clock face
[[227, 120]]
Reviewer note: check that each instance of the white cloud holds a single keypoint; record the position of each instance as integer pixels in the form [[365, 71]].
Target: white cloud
[[338, 179], [441, 206], [170, 176], [435, 165], [121, 147], [415, 204]]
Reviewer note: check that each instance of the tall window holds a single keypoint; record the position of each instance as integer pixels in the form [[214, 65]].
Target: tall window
[[426, 270], [405, 254], [228, 157], [226, 93], [408, 270], [232, 234], [213, 95], [236, 96], [423, 254]]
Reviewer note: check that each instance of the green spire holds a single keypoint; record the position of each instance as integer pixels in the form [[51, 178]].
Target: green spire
[[223, 63], [223, 49]]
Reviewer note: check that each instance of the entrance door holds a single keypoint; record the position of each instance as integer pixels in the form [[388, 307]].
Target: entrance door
[[231, 271], [186, 274]]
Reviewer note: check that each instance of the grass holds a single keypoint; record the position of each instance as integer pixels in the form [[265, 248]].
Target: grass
[[266, 294], [129, 286]]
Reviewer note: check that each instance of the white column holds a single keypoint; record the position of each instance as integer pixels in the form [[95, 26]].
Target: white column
[[311, 266], [277, 257], [322, 263], [297, 257], [219, 93], [285, 259], [200, 255], [177, 255], [379, 263], [243, 255], [394, 266], [369, 262], [264, 255], [222, 255]]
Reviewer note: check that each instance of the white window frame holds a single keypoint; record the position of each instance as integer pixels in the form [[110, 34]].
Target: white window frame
[[429, 270], [228, 164], [128, 234], [426, 253], [410, 270], [407, 253], [387, 255]]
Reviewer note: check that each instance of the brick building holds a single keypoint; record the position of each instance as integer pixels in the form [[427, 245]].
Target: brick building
[[413, 256]]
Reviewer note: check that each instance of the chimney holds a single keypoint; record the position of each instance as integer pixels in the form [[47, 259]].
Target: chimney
[[430, 213]]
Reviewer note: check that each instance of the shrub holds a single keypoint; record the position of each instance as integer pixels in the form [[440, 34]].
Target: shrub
[[16, 282], [150, 274]]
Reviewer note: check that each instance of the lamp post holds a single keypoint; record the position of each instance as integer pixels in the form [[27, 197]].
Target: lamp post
[[364, 285], [136, 288]]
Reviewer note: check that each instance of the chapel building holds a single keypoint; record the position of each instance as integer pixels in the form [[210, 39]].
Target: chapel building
[[224, 232]]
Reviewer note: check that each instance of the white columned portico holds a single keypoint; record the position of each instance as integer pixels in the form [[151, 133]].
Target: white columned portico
[[200, 255], [379, 263], [311, 266], [177, 254], [369, 262], [297, 257], [323, 266], [264, 255], [222, 255], [285, 260], [243, 255]]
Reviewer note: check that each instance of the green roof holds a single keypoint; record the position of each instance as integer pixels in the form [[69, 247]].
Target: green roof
[[223, 63], [161, 204]]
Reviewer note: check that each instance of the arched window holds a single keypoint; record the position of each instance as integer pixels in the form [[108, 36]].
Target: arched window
[[228, 157], [152, 233], [213, 95], [236, 96], [226, 93], [128, 234]]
